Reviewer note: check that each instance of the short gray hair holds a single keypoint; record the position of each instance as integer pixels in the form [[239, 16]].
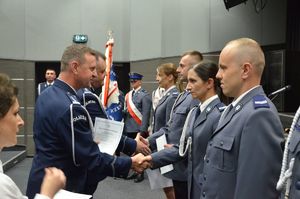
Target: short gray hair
[[74, 52]]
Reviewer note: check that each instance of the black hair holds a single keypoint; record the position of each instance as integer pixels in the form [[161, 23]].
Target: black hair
[[208, 69]]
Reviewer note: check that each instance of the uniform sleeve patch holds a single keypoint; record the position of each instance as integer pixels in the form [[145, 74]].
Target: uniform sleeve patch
[[260, 101]]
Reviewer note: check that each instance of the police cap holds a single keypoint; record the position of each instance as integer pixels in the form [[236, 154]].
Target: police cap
[[135, 76]]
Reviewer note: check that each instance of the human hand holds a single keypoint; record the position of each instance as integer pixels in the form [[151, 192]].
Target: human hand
[[139, 163], [168, 145], [142, 145], [53, 181]]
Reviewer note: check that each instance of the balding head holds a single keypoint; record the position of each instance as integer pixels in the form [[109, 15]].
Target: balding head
[[247, 50], [241, 65]]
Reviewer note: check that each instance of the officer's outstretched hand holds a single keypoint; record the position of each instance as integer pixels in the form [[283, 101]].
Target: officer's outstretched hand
[[142, 145], [53, 181], [168, 146], [139, 163]]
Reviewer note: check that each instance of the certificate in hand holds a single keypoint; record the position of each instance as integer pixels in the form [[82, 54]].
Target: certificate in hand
[[63, 194], [108, 134], [160, 142]]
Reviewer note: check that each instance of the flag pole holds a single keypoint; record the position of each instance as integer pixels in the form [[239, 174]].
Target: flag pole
[[108, 54]]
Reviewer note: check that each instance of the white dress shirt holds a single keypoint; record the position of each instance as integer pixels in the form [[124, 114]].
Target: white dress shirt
[[9, 190]]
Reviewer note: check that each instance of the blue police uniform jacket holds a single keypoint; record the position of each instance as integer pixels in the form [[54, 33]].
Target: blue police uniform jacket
[[293, 152], [75, 153], [243, 156], [142, 102], [94, 106], [163, 109], [42, 86], [173, 131], [200, 130]]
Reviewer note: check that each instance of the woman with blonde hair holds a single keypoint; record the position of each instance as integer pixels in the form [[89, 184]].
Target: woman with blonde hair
[[166, 77]]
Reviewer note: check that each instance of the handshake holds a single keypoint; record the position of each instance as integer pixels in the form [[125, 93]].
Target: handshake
[[142, 160]]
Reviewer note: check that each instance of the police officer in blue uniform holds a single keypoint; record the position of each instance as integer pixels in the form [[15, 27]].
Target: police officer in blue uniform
[[243, 156], [137, 112], [289, 181], [63, 130], [183, 104], [142, 102], [166, 77], [50, 76], [201, 121], [93, 105]]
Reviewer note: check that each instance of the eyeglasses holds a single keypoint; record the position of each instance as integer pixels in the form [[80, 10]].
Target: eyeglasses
[[133, 80]]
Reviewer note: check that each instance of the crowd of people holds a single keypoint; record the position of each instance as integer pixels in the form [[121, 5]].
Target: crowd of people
[[218, 148]]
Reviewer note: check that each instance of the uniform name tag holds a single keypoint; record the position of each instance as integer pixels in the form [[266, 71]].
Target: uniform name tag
[[79, 117], [90, 102]]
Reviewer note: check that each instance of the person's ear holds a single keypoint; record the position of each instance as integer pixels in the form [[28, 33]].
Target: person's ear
[[246, 69], [170, 77], [74, 65], [210, 83]]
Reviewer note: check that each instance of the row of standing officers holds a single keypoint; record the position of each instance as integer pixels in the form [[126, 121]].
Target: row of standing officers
[[217, 152]]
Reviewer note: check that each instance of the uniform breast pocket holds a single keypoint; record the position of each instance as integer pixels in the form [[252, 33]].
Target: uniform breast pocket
[[182, 110], [222, 157]]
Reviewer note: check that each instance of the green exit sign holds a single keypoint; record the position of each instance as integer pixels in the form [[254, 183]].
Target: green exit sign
[[80, 38]]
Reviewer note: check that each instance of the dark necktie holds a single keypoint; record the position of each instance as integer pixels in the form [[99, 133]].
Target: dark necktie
[[198, 111], [225, 114], [197, 114]]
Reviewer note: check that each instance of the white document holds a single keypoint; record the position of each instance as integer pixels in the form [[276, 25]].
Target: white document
[[108, 134], [160, 142], [63, 194]]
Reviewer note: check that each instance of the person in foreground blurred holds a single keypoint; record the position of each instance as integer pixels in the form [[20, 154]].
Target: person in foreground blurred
[[10, 122]]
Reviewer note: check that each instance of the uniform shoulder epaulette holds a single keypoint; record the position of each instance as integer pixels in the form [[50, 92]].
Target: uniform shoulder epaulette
[[86, 90], [73, 98], [260, 101], [142, 91], [175, 94], [221, 107]]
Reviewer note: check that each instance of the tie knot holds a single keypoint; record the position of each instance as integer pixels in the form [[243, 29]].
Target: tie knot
[[228, 109], [198, 111]]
